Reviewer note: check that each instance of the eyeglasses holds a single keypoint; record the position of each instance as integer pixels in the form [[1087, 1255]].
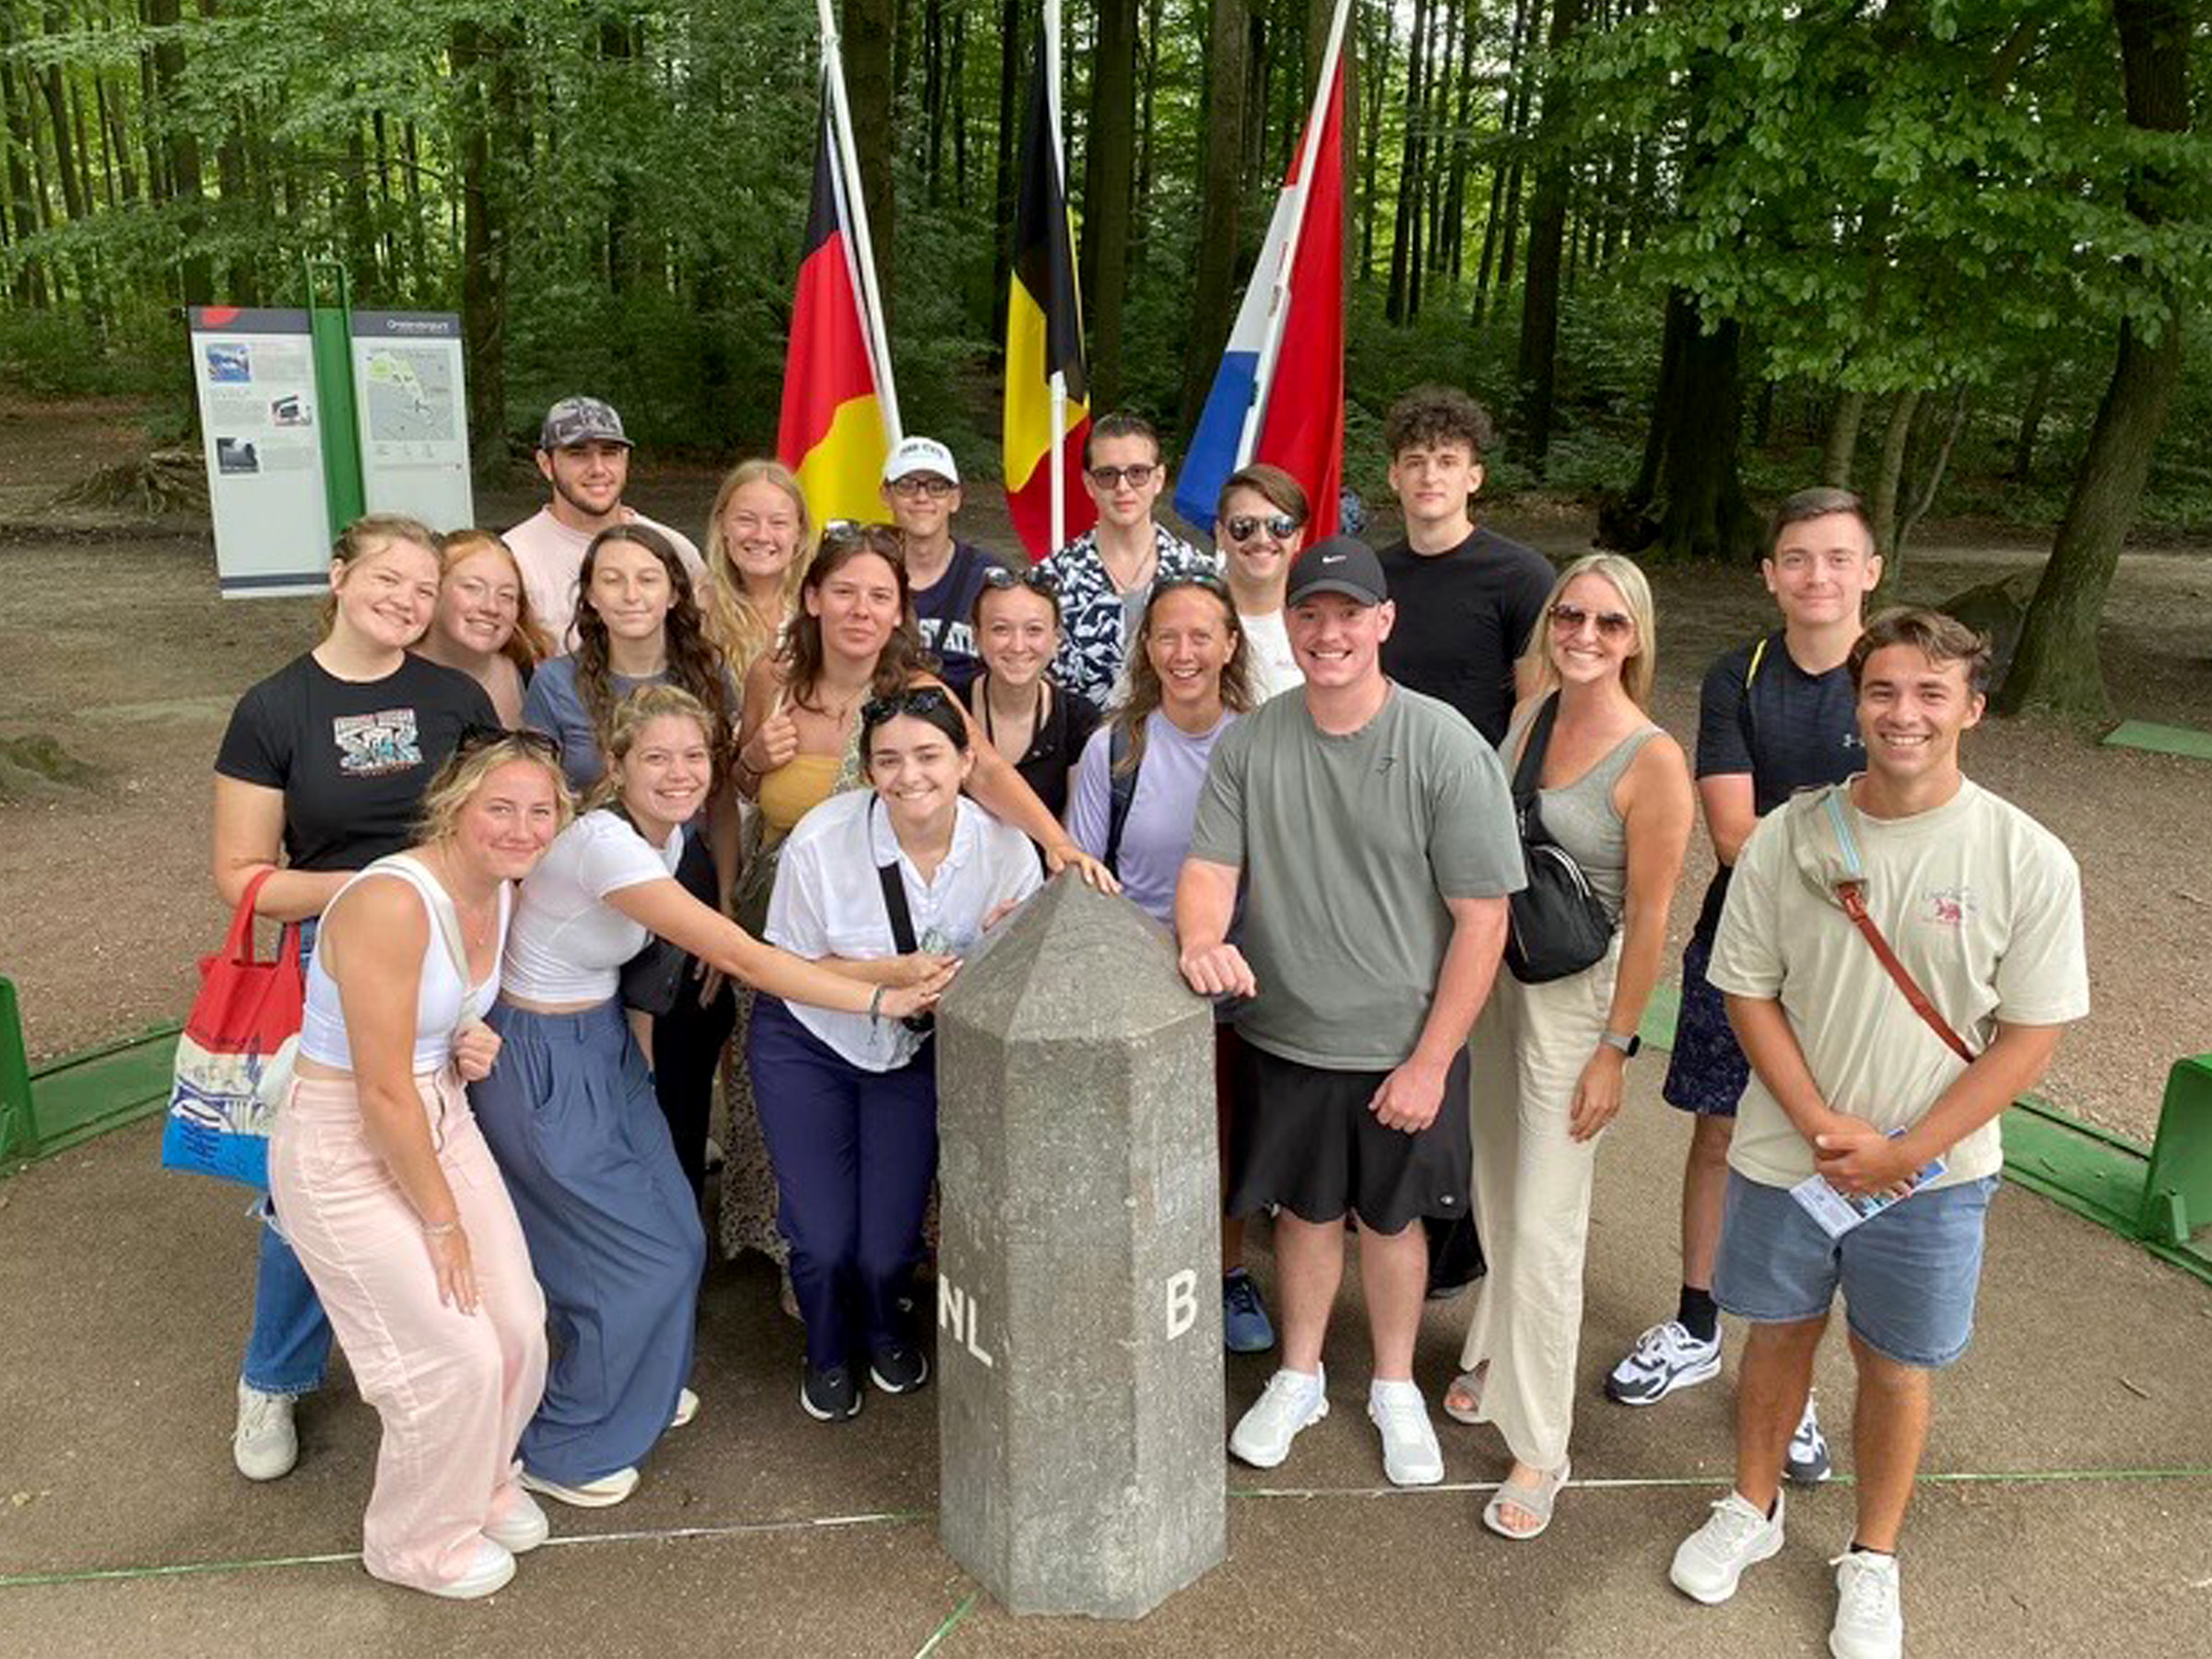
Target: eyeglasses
[[922, 699], [1611, 625], [1110, 477], [1036, 577], [922, 484], [476, 736], [1280, 525]]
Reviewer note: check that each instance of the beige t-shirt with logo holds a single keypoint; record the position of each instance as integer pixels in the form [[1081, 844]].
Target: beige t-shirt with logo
[[1981, 904]]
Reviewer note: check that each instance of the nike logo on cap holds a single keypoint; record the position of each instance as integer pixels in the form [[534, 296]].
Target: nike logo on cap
[[1333, 558]]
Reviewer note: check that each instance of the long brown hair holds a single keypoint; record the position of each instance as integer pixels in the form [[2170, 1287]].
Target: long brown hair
[[800, 658], [733, 622], [693, 663], [1237, 694]]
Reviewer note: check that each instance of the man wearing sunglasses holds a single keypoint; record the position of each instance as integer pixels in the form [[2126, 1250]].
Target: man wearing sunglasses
[[921, 488], [1260, 526], [1105, 575], [583, 454]]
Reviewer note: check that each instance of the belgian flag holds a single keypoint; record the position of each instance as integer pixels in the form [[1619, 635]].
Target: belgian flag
[[833, 430], [1044, 336]]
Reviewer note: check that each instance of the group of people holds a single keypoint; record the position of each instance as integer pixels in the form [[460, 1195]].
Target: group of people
[[614, 810]]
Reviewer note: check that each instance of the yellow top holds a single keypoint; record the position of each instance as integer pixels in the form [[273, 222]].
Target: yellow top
[[796, 788]]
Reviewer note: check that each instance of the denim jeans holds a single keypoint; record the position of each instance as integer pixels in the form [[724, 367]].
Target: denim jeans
[[289, 1343]]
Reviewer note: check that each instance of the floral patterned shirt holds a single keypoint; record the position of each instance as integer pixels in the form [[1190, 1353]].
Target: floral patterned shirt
[[1092, 642]]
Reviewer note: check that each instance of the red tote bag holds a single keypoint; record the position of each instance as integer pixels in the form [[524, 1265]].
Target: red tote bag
[[234, 1059]]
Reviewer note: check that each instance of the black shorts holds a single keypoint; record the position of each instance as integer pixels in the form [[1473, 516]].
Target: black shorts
[[1707, 1072], [1304, 1138]]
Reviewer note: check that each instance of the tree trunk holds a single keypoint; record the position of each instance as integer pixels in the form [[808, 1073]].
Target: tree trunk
[[23, 202], [1463, 115], [1909, 520], [1143, 124], [180, 160], [933, 95], [1378, 81], [1896, 436], [1220, 188], [868, 28], [1691, 452], [482, 65], [959, 105], [1009, 102], [1409, 171], [1108, 164], [2031, 424], [1547, 232], [1843, 445]]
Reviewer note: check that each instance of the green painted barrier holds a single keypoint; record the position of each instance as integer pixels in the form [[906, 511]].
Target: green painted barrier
[[2186, 741], [16, 1130], [80, 1095]]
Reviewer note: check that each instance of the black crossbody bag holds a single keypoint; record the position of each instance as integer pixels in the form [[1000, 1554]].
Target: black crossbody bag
[[902, 923], [1559, 926]]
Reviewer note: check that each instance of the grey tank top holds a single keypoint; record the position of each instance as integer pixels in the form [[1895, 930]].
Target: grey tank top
[[1581, 815]]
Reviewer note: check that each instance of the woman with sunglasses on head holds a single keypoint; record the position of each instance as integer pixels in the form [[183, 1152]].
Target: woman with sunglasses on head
[[1613, 791], [760, 542], [637, 625], [852, 639], [319, 773], [387, 1190], [483, 625], [612, 1220], [889, 883], [1026, 715], [1260, 528], [1137, 798]]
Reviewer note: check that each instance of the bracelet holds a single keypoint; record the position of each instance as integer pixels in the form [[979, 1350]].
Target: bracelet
[[876, 1005], [441, 1229]]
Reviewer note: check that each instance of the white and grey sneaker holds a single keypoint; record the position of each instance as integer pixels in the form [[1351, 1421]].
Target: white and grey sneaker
[[1290, 1402], [1870, 1623], [1410, 1455], [1806, 1462], [264, 1445], [1665, 1358], [1736, 1536]]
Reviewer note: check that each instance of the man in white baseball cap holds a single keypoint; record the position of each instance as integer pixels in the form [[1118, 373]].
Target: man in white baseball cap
[[921, 488]]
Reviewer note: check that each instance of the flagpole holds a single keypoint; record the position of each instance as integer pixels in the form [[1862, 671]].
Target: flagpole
[[848, 158], [1278, 309], [1050, 44]]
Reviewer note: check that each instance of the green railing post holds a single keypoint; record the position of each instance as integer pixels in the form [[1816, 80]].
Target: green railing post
[[18, 1129], [330, 331]]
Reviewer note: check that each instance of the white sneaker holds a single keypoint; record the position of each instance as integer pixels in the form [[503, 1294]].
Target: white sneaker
[[603, 1493], [524, 1528], [1869, 1622], [490, 1571], [1665, 1358], [1736, 1536], [1290, 1402], [1410, 1455], [687, 1408], [1806, 1462], [264, 1445]]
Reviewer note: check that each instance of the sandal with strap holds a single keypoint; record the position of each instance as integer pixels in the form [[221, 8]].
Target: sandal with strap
[[1463, 1401], [1534, 1500]]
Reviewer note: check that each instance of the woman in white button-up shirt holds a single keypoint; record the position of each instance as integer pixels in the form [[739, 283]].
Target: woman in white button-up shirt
[[888, 884]]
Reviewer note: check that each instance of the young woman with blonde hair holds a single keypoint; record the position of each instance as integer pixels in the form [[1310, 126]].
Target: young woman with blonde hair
[[760, 541]]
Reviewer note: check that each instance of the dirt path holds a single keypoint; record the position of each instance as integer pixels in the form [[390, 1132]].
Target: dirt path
[[118, 647]]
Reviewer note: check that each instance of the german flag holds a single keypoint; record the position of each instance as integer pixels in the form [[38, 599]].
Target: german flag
[[831, 433], [1044, 336]]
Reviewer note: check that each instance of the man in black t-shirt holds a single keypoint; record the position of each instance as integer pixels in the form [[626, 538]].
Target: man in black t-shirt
[[921, 488], [1467, 598], [1776, 715]]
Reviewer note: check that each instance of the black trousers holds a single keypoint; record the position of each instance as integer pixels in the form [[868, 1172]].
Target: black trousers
[[688, 1040]]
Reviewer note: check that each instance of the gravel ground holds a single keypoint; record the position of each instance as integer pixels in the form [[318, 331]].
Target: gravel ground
[[115, 644]]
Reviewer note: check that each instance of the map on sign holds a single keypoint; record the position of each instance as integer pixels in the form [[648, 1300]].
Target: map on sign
[[410, 395]]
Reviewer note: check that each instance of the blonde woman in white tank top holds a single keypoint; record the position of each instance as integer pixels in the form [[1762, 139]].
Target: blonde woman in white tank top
[[1550, 1060], [388, 1192]]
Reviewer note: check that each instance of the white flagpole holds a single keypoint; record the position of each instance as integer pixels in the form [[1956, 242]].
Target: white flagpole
[[1279, 302], [1050, 45], [848, 157]]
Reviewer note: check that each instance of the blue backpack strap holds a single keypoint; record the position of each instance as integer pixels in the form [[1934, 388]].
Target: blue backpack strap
[[1120, 791]]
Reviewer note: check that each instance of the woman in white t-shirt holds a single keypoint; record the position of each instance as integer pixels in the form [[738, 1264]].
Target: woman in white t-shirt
[[892, 884], [1260, 528], [612, 1223]]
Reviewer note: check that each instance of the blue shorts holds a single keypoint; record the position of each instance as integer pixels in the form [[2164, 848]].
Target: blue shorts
[[1707, 1072], [1908, 1276]]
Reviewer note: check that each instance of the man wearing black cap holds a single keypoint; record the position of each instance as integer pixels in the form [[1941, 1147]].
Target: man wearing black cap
[[1373, 831], [584, 455]]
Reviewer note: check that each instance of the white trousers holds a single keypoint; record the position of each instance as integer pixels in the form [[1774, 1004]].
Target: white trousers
[[1532, 1202]]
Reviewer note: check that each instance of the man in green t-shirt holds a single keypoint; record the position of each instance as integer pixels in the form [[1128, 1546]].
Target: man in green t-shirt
[[1373, 831]]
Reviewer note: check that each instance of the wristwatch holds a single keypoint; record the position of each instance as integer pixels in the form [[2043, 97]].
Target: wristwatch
[[1628, 1045]]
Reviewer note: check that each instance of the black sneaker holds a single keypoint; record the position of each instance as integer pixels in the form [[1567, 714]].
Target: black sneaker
[[829, 1393], [898, 1369]]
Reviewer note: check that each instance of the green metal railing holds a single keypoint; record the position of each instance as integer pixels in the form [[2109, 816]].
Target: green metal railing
[[81, 1095]]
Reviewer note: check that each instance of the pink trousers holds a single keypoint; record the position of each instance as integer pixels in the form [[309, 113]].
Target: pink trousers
[[452, 1389]]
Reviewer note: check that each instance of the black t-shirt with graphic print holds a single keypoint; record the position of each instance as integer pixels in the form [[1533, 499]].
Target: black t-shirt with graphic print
[[352, 757]]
